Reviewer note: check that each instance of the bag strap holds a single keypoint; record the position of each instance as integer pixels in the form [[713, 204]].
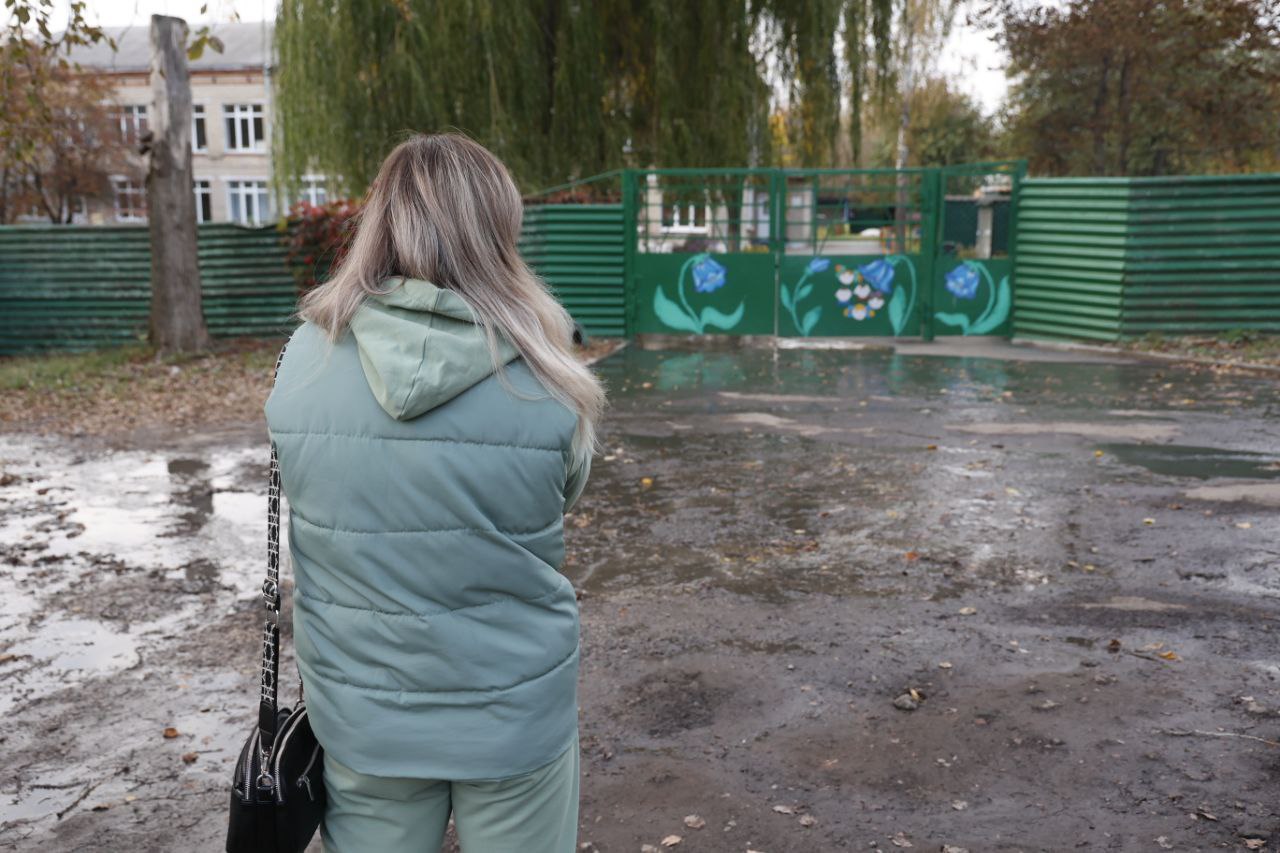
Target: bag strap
[[267, 700]]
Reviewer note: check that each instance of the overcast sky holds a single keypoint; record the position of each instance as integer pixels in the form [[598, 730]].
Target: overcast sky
[[970, 58]]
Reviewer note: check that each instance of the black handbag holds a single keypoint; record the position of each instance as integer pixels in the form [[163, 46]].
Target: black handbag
[[277, 795]]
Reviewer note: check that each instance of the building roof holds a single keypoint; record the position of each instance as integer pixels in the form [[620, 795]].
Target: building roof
[[245, 46]]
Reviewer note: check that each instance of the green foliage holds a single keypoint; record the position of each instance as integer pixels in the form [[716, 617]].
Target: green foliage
[[1132, 87], [316, 238], [947, 127], [561, 89]]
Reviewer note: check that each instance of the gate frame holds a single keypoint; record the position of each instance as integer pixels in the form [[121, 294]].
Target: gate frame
[[931, 199]]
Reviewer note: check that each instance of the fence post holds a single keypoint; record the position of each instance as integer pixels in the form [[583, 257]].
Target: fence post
[[932, 193], [629, 249], [1019, 175], [777, 234]]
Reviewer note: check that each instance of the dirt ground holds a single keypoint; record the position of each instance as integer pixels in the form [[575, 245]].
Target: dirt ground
[[830, 601]]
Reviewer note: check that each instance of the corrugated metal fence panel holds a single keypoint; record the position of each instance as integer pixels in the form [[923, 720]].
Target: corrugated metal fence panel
[[75, 288], [247, 285], [1069, 276], [1203, 255], [579, 250], [72, 288]]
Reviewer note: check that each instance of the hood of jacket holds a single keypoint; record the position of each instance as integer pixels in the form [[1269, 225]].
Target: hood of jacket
[[420, 347]]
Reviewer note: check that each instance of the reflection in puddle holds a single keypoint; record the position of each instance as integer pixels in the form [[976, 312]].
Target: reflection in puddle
[[69, 531], [1202, 463]]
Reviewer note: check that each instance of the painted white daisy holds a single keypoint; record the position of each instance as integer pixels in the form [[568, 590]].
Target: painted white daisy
[[862, 291], [844, 294], [876, 302]]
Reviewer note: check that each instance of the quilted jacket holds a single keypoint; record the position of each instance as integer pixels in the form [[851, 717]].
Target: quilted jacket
[[435, 636]]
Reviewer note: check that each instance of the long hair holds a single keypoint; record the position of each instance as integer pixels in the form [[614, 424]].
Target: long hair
[[445, 210]]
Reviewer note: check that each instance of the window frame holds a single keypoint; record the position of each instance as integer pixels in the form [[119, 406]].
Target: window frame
[[134, 188], [199, 119], [203, 189], [251, 112], [235, 196]]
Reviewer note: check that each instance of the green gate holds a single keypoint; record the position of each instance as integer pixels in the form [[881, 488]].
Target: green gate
[[817, 252]]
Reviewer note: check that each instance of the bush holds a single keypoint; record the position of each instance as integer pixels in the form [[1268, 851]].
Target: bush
[[316, 238]]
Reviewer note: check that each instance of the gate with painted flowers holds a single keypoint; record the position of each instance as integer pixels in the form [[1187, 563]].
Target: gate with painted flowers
[[821, 252]]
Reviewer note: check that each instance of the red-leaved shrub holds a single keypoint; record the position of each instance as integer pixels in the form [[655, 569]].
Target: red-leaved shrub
[[316, 238]]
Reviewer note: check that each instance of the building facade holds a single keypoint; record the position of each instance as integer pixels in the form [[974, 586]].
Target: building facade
[[231, 126]]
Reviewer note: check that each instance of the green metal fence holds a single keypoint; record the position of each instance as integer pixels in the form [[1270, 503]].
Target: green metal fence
[[1108, 258], [579, 250], [78, 288], [813, 252]]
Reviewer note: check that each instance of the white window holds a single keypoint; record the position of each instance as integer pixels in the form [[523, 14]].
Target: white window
[[248, 202], [199, 133], [204, 201], [314, 190], [130, 200], [245, 128], [132, 120]]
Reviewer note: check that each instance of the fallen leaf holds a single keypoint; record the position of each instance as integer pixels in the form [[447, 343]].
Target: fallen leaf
[[951, 848], [1254, 844], [1164, 842], [170, 732], [1012, 492], [900, 840], [968, 611], [190, 757], [646, 482], [959, 805], [671, 841], [1098, 453], [1168, 656], [944, 664], [784, 809], [911, 556], [931, 447], [807, 820], [694, 821], [1148, 521], [1244, 525]]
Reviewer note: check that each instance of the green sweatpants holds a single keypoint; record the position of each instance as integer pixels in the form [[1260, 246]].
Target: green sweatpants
[[533, 813]]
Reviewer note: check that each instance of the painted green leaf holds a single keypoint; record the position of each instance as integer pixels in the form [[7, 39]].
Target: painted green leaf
[[960, 320], [671, 314], [898, 311], [811, 319], [785, 296], [804, 292], [721, 320], [999, 312]]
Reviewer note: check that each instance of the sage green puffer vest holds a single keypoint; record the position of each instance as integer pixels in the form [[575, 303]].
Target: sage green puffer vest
[[435, 636]]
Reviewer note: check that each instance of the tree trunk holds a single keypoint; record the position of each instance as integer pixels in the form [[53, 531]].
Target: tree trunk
[[177, 318]]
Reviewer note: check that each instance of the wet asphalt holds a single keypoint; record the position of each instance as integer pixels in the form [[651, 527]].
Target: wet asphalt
[[831, 600]]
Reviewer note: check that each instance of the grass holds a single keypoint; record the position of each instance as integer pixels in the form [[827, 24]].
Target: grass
[[117, 391], [125, 388], [1242, 345], [124, 363]]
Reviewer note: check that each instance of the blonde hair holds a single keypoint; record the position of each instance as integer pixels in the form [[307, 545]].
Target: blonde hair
[[446, 210]]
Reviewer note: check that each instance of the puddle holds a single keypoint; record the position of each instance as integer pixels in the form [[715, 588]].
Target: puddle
[[1083, 429], [1202, 463], [86, 542]]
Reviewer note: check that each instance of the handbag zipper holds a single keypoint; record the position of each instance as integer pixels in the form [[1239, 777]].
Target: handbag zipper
[[304, 778], [281, 743]]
